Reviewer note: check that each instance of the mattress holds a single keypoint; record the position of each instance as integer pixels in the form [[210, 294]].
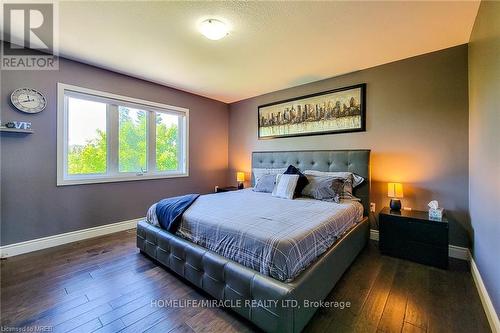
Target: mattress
[[276, 237]]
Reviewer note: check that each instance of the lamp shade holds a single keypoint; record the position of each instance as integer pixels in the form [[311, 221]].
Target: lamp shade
[[240, 176], [395, 190]]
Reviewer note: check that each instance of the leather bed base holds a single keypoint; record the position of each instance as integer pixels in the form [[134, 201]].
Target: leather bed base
[[227, 280]]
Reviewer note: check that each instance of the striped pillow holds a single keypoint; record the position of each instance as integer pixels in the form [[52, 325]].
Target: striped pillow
[[285, 186]]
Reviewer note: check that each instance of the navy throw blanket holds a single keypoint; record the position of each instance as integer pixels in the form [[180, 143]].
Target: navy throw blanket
[[169, 211]]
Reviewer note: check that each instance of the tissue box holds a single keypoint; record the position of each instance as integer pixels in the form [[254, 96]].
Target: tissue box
[[436, 214]]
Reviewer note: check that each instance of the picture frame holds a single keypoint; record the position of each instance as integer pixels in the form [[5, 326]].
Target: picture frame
[[341, 110]]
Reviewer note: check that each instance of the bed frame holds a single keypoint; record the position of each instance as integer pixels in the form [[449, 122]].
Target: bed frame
[[227, 280]]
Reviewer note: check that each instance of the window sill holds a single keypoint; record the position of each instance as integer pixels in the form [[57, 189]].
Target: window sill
[[83, 181]]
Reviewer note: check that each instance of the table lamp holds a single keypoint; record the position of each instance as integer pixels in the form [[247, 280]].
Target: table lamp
[[395, 192], [240, 178]]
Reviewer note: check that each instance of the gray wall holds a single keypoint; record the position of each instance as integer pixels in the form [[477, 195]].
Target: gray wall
[[32, 206], [484, 143], [417, 127]]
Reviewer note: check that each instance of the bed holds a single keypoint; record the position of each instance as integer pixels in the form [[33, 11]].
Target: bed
[[292, 275]]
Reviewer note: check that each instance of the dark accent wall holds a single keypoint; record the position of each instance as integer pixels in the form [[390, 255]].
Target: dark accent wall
[[416, 128], [31, 204], [484, 144]]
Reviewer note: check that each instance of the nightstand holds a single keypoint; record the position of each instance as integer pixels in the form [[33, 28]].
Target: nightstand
[[226, 189], [411, 235]]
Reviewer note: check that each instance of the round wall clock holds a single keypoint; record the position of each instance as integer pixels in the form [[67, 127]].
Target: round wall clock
[[28, 100]]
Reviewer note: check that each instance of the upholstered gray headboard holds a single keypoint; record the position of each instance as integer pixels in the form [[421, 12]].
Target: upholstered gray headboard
[[356, 161]]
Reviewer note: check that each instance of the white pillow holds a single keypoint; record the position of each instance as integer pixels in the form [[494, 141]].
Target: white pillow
[[285, 186], [357, 179], [259, 172]]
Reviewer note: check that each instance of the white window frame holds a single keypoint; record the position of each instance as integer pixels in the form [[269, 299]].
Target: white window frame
[[112, 174]]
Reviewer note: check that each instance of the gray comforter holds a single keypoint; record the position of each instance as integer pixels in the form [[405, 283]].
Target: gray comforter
[[277, 237]]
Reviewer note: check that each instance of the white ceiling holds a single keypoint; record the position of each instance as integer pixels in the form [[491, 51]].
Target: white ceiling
[[271, 46]]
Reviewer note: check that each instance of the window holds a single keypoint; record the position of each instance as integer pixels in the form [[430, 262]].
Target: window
[[104, 137]]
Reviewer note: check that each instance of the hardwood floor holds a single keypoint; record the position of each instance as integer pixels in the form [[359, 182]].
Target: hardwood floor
[[105, 285]]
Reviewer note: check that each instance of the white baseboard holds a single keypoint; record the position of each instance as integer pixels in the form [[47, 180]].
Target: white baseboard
[[485, 298], [374, 234], [458, 252], [464, 254], [69, 237], [453, 251]]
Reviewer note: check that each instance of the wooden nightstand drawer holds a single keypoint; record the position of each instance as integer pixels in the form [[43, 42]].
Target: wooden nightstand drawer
[[412, 236], [427, 254], [427, 233], [416, 231]]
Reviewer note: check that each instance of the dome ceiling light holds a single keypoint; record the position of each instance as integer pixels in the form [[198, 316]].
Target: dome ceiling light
[[214, 29]]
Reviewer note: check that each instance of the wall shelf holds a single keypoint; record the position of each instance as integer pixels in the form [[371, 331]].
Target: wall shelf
[[4, 129]]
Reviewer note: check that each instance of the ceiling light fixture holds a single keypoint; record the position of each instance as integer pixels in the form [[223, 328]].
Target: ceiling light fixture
[[214, 29]]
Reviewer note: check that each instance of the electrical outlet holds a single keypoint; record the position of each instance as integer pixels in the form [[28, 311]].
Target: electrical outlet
[[372, 207]]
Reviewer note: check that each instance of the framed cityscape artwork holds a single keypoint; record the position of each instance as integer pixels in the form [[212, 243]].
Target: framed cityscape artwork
[[334, 111]]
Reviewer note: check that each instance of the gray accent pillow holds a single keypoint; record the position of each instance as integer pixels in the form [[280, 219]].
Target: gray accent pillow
[[324, 188], [265, 184], [347, 189], [259, 172], [347, 192], [356, 179]]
